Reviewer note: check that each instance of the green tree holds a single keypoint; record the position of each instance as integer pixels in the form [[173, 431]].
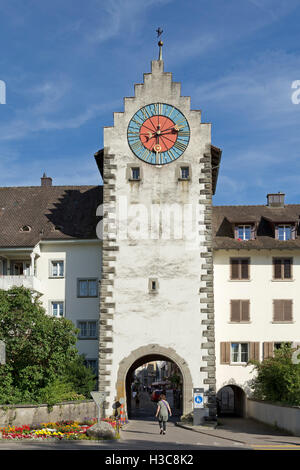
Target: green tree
[[278, 378], [39, 349]]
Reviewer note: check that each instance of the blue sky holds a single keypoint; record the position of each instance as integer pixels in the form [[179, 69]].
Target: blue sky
[[67, 66]]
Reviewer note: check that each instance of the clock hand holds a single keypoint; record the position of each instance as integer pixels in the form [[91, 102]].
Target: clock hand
[[176, 128]]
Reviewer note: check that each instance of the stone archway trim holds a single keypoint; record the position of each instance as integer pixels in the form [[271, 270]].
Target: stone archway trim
[[168, 353]]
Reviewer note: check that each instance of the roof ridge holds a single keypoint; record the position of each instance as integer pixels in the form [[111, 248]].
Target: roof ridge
[[54, 186], [256, 205]]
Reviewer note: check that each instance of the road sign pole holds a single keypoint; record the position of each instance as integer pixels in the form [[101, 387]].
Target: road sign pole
[[198, 403], [99, 399]]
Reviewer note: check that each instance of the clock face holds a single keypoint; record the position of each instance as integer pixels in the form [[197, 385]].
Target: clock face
[[158, 133]]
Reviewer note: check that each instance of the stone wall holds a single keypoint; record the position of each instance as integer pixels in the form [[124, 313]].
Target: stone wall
[[18, 415], [284, 417]]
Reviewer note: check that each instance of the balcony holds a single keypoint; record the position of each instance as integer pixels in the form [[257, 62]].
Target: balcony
[[30, 282]]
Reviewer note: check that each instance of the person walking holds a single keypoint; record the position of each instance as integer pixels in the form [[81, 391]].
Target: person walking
[[163, 411]]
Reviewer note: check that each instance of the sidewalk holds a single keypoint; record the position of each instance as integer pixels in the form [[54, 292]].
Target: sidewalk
[[246, 431]]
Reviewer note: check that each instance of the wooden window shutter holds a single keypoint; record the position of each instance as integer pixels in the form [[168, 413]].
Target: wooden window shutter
[[277, 268], [225, 353], [287, 268], [293, 232], [268, 350], [245, 310], [245, 269], [234, 268], [254, 351], [276, 232], [253, 232], [235, 314], [287, 310], [277, 310]]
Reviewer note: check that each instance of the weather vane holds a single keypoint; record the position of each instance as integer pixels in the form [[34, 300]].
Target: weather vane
[[160, 43]]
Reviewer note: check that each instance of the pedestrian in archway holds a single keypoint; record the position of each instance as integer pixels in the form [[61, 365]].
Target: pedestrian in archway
[[137, 400], [163, 411]]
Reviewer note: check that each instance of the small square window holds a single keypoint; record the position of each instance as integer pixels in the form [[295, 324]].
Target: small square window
[[184, 172], [135, 173], [243, 232], [87, 288], [87, 329], [282, 268], [239, 352], [153, 285], [284, 232], [57, 268], [57, 309]]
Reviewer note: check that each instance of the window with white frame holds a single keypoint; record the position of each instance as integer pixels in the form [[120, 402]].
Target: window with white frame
[[87, 329], [57, 308], [243, 232], [87, 288], [239, 353], [284, 232], [57, 268]]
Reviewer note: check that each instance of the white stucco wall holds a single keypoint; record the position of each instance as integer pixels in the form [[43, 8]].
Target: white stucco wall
[[170, 318], [82, 260]]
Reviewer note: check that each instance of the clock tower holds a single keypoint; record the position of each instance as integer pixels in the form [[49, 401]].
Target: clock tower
[[156, 296]]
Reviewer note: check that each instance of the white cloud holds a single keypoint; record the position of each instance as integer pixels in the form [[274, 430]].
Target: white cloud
[[259, 89]]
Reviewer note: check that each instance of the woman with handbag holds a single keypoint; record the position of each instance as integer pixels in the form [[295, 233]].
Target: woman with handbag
[[162, 412]]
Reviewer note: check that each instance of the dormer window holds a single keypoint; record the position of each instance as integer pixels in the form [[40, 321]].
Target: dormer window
[[25, 228], [243, 232], [284, 232]]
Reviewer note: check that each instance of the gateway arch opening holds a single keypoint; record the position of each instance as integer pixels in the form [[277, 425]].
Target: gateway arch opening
[[147, 378]]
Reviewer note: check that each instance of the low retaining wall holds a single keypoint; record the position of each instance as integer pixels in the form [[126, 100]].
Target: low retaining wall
[[282, 416], [17, 415]]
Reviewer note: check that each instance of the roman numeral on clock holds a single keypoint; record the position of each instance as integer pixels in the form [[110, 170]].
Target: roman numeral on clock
[[180, 146]]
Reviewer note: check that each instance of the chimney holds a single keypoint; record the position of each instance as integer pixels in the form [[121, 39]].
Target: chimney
[[46, 180], [275, 199]]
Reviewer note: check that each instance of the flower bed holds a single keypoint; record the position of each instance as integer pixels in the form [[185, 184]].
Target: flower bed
[[60, 430]]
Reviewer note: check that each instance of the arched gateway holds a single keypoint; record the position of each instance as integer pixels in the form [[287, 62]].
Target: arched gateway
[[154, 352], [156, 294]]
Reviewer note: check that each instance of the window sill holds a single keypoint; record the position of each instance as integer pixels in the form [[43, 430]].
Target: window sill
[[184, 179], [86, 337], [282, 280], [56, 277], [87, 296], [243, 364], [240, 322], [136, 180], [282, 322], [239, 280]]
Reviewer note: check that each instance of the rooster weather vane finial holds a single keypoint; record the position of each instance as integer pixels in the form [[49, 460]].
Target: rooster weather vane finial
[[160, 43]]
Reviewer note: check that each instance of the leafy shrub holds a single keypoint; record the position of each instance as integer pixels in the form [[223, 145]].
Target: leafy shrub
[[278, 379]]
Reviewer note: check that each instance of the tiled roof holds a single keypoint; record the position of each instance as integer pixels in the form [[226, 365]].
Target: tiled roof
[[265, 218], [51, 212]]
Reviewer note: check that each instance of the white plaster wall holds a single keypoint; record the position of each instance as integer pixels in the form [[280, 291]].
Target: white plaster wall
[[284, 417], [170, 318], [82, 260], [261, 290]]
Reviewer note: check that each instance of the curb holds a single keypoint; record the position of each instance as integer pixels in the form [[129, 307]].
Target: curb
[[202, 431]]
